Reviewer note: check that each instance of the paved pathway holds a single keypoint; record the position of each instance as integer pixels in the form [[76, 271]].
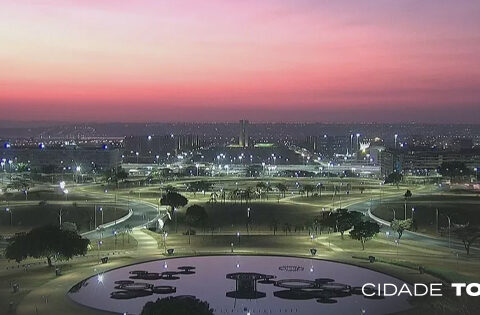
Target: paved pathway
[[146, 243]]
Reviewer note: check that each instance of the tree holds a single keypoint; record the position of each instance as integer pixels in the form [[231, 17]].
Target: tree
[[468, 235], [363, 231], [178, 305], [274, 226], [261, 187], [201, 185], [342, 220], [195, 215], [282, 188], [319, 188], [308, 188], [114, 175], [346, 219], [253, 170], [48, 241], [394, 178], [169, 188], [20, 185], [287, 227], [406, 196], [453, 169], [399, 226], [173, 200]]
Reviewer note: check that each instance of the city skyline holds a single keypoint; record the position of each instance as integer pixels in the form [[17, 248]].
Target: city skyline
[[286, 61]]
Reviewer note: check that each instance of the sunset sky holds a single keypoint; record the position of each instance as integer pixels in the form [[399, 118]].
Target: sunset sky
[[265, 60]]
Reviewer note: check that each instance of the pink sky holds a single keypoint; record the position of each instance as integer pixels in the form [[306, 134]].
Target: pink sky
[[313, 60]]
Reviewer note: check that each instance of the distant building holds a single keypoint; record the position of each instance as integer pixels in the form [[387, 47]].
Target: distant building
[[311, 143], [58, 159], [152, 149], [187, 142], [414, 161], [243, 138]]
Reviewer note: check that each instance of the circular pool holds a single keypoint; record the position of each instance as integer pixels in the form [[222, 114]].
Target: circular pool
[[241, 285]]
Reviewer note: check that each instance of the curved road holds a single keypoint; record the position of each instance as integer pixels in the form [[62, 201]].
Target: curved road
[[143, 213], [455, 245]]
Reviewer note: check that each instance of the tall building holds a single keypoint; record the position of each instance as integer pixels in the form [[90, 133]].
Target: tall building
[[311, 143], [243, 138], [187, 142]]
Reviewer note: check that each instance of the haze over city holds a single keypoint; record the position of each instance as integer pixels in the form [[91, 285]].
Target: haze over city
[[329, 61]]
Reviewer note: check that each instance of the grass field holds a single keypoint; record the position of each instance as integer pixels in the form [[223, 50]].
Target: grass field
[[25, 217], [461, 209]]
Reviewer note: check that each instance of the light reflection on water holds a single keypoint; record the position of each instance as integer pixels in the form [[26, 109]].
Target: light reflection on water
[[241, 284]]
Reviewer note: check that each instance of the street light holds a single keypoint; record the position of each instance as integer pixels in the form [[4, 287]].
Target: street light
[[393, 214], [101, 210], [165, 234], [351, 143], [449, 228], [11, 215], [358, 141], [248, 220], [413, 211]]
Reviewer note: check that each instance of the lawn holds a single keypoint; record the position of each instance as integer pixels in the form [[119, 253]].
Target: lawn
[[460, 208], [26, 217]]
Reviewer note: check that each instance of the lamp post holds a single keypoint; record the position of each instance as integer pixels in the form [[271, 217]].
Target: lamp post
[[394, 216], [476, 173], [358, 141], [396, 137], [413, 211], [99, 243], [101, 210], [165, 234], [79, 171], [351, 143], [248, 220], [449, 229], [11, 215]]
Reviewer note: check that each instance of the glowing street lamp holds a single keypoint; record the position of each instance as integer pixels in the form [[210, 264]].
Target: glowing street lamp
[[101, 211], [11, 215]]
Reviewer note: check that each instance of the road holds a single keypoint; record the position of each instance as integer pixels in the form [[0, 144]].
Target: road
[[143, 212], [455, 245]]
